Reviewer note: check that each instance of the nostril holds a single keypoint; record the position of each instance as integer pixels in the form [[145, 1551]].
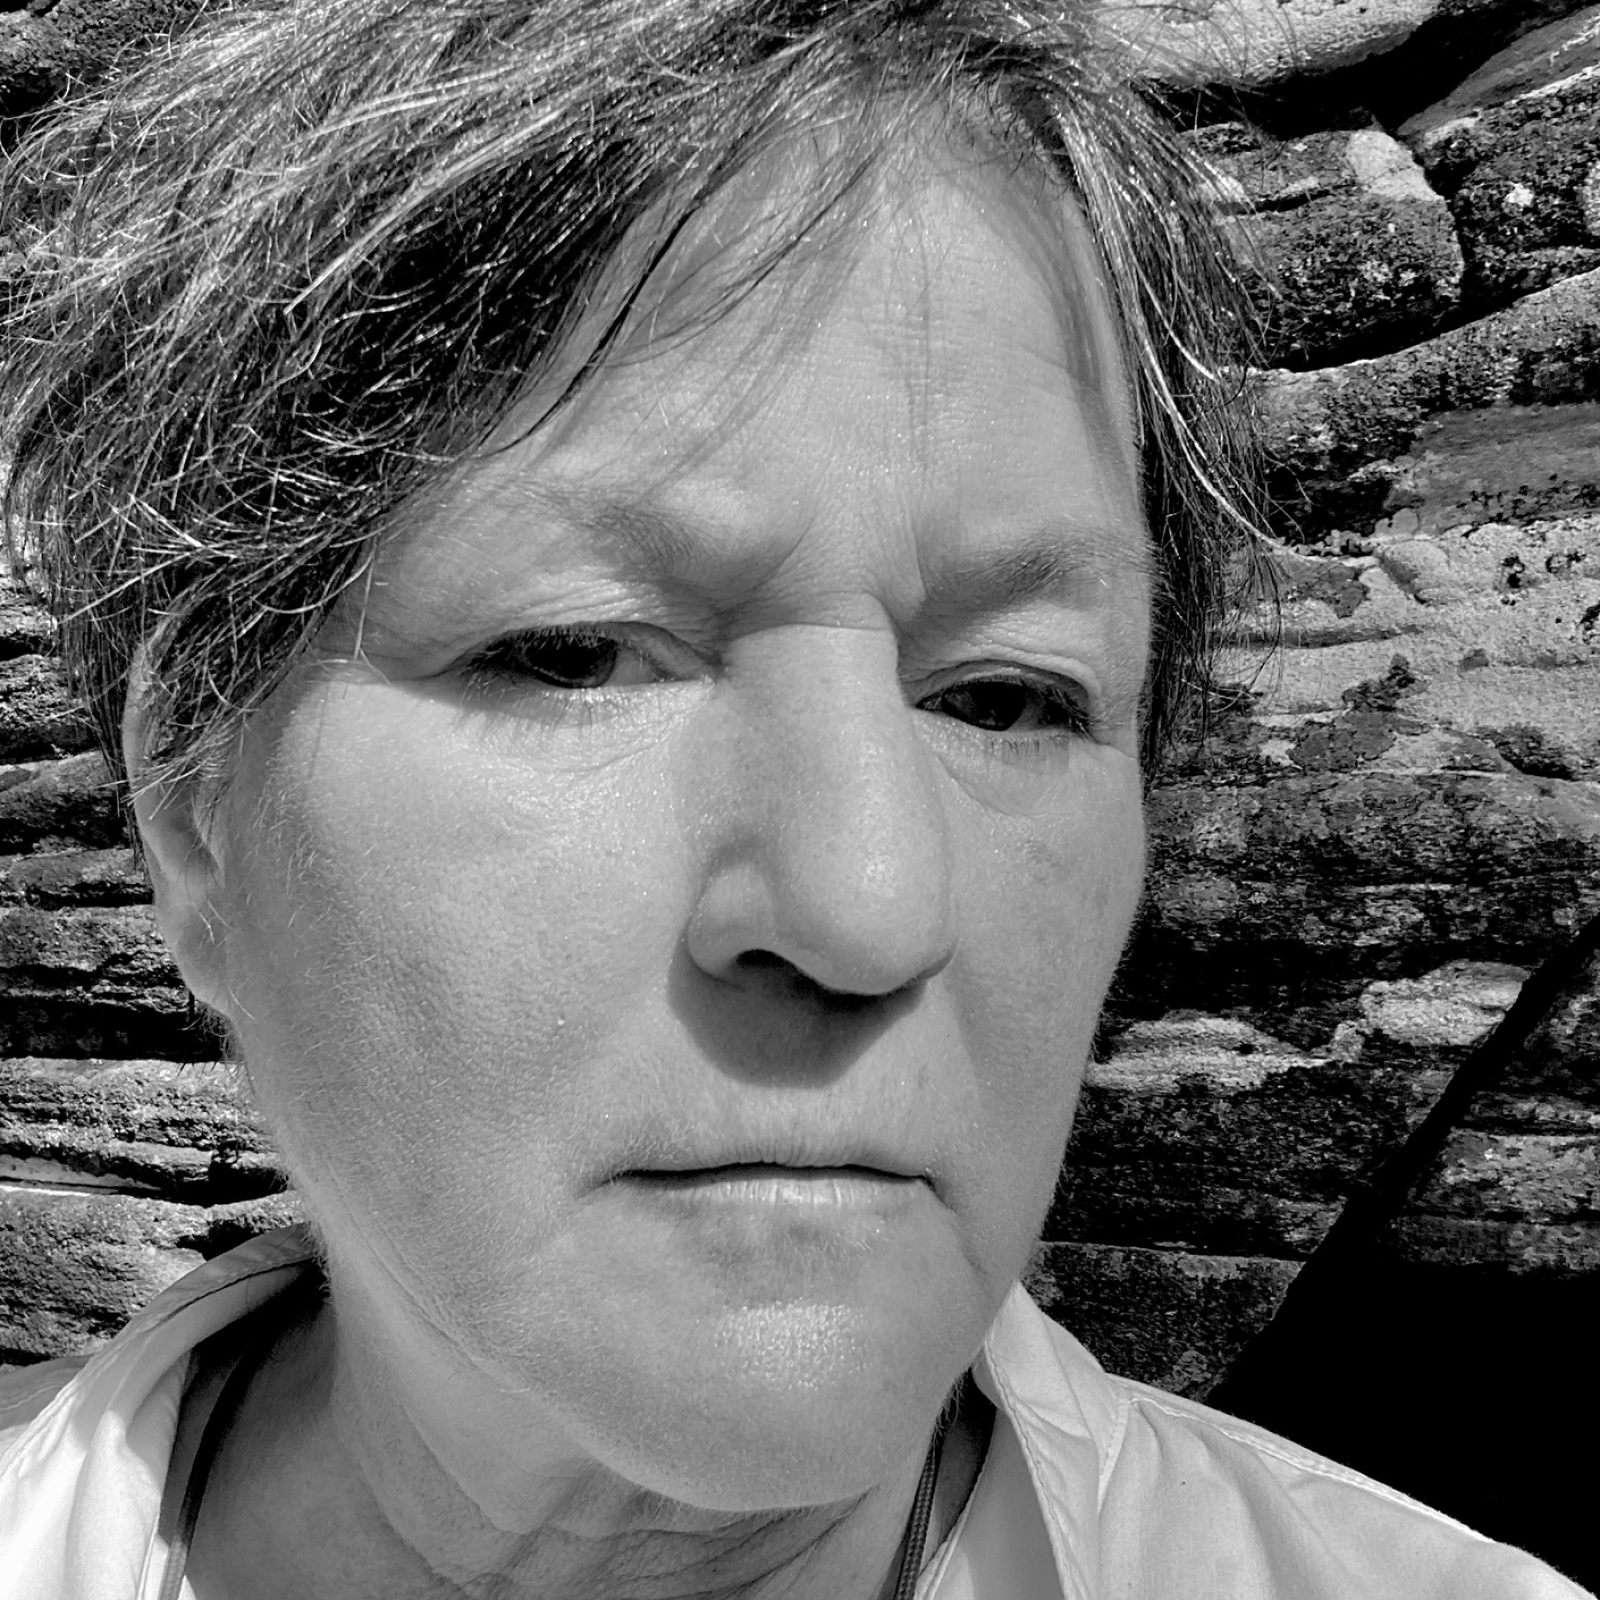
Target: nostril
[[759, 961], [783, 976]]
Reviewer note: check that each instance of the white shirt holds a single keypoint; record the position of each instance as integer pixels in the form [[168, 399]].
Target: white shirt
[[1093, 1488]]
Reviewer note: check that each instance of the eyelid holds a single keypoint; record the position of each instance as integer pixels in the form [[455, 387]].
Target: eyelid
[[1078, 699], [999, 668], [664, 651]]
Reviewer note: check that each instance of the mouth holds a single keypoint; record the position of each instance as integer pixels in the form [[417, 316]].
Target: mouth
[[733, 1170], [763, 1183]]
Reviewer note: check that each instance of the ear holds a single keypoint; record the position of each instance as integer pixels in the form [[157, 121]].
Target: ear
[[176, 829]]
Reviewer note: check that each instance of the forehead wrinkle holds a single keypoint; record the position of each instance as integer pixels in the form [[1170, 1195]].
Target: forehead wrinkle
[[638, 530], [472, 566], [1062, 558]]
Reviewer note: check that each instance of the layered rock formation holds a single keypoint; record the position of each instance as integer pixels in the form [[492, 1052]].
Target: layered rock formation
[[1396, 819], [1399, 815]]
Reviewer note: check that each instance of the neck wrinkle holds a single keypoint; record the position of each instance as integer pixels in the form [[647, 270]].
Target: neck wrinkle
[[303, 1456]]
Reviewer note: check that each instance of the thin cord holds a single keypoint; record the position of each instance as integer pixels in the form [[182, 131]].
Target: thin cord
[[917, 1528]]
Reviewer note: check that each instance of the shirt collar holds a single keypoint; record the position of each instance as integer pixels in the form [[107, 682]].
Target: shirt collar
[[1057, 1424]]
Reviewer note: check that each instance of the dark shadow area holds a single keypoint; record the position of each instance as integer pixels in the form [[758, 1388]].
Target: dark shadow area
[[89, 1028], [1470, 1385], [1386, 88], [21, 1358]]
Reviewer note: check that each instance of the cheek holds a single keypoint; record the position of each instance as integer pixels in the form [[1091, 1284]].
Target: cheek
[[1050, 911], [1044, 928], [428, 934]]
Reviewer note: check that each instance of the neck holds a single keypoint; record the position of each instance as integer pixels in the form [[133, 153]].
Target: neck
[[326, 1487]]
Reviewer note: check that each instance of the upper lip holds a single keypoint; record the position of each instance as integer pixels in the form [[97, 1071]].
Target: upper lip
[[893, 1131]]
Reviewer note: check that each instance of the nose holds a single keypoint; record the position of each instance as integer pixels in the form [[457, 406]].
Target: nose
[[826, 842]]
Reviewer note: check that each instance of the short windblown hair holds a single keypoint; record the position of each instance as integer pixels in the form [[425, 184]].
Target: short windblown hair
[[282, 274]]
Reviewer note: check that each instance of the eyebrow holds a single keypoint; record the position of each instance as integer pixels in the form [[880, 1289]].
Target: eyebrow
[[1058, 556], [1061, 556], [664, 543]]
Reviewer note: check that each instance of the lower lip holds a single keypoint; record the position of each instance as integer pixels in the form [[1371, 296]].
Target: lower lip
[[813, 1190]]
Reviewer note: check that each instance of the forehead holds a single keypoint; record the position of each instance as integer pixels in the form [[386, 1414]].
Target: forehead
[[931, 384]]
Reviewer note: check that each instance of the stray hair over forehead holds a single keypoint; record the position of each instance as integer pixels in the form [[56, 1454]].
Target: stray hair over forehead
[[284, 274]]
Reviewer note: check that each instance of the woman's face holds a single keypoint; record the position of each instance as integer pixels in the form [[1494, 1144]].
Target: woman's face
[[666, 918]]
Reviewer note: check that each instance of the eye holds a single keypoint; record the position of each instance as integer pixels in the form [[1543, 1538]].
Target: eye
[[1011, 705], [564, 658]]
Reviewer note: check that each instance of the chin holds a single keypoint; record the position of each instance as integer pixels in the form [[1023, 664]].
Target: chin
[[785, 1406]]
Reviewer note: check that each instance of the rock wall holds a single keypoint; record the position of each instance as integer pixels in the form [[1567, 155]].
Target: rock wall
[[1399, 816], [1397, 819]]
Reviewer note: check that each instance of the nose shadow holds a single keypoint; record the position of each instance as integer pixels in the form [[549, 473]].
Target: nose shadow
[[768, 1023]]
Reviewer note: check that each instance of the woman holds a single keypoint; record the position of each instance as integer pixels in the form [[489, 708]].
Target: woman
[[635, 556]]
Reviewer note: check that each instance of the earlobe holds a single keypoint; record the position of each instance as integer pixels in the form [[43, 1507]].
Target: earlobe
[[174, 822]]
